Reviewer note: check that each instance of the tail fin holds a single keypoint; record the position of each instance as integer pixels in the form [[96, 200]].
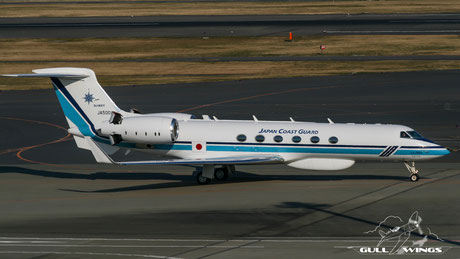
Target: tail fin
[[84, 102]]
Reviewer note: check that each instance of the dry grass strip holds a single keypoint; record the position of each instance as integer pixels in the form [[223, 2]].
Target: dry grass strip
[[115, 8]]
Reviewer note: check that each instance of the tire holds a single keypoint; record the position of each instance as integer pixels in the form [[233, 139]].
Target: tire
[[414, 177], [220, 174], [200, 179]]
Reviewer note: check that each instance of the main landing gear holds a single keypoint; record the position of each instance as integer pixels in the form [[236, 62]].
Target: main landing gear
[[208, 173], [413, 172]]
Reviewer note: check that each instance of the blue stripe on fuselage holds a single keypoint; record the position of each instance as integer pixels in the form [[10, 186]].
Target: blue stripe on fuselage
[[275, 149], [282, 149], [172, 147], [422, 152]]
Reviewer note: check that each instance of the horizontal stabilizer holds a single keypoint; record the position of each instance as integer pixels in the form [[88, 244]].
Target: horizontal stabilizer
[[76, 76]]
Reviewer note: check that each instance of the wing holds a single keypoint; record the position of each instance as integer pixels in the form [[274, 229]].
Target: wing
[[219, 161], [101, 156]]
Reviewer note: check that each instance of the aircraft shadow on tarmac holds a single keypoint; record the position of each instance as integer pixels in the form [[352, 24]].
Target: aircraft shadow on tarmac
[[324, 208], [182, 180]]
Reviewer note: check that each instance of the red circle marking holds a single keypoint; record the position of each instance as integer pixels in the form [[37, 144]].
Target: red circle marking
[[199, 146]]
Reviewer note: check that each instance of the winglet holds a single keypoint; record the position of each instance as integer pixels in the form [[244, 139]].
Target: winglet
[[98, 153]]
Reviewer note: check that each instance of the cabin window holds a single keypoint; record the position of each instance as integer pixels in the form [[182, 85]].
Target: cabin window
[[296, 139], [241, 138], [314, 139], [278, 138], [155, 134], [333, 140], [260, 138], [126, 133], [136, 133], [146, 133], [404, 134], [158, 133]]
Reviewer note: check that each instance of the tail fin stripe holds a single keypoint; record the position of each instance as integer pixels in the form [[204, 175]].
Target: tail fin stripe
[[72, 114], [63, 90]]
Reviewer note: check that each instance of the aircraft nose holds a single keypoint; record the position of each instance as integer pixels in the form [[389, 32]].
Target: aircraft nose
[[442, 151], [445, 151], [439, 150]]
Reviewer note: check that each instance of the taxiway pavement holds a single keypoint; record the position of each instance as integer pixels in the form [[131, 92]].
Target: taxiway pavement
[[69, 207]]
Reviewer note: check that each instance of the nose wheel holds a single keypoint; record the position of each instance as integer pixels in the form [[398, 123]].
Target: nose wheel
[[412, 170]]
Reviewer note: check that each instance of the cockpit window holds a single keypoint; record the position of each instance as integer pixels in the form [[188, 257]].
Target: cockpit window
[[404, 134], [411, 134], [415, 135]]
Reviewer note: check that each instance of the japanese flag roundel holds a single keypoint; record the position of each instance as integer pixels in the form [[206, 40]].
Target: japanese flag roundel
[[199, 146]]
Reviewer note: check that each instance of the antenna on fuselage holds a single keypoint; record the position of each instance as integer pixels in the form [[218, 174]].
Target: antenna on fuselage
[[255, 118], [330, 121], [291, 119], [206, 117]]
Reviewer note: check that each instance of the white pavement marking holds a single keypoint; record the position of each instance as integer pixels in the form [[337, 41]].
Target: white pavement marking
[[129, 246], [83, 253], [320, 241], [252, 239], [31, 242], [117, 239]]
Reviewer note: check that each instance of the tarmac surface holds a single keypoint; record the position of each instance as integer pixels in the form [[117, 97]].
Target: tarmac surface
[[55, 202], [226, 26]]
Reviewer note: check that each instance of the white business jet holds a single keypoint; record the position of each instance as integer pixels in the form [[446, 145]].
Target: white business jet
[[216, 146]]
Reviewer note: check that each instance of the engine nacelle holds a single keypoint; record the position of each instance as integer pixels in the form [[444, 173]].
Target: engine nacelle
[[142, 129], [322, 164]]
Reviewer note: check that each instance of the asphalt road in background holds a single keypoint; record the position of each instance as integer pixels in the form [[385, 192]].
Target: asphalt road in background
[[220, 26]]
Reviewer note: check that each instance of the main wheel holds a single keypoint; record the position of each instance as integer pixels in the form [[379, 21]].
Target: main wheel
[[220, 174], [200, 179], [414, 177]]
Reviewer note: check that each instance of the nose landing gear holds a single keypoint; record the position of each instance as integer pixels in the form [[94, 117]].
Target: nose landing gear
[[413, 172]]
